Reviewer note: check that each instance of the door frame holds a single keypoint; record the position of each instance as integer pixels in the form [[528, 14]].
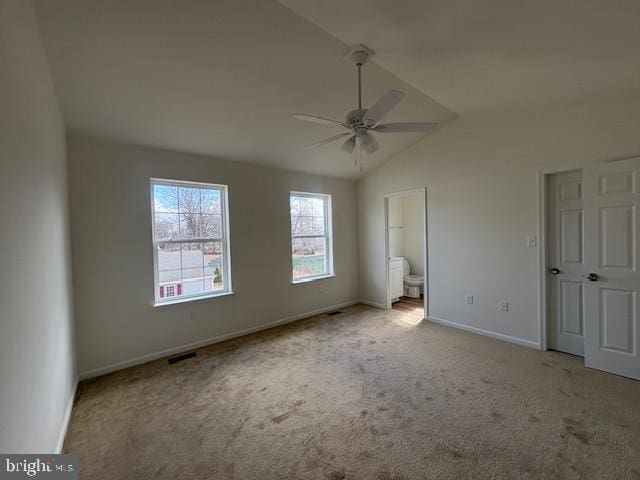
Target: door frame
[[423, 192], [543, 253], [543, 250]]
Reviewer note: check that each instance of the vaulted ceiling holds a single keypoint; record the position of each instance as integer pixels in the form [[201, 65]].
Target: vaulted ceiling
[[220, 78], [223, 77], [480, 55]]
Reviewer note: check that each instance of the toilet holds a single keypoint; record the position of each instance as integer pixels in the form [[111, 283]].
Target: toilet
[[413, 284]]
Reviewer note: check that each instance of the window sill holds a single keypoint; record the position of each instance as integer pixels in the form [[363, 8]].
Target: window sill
[[312, 279], [191, 299]]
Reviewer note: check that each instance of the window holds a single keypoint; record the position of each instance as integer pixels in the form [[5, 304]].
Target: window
[[190, 240], [311, 239]]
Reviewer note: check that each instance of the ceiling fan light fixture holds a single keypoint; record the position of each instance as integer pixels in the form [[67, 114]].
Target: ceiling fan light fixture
[[369, 144], [349, 145], [362, 122]]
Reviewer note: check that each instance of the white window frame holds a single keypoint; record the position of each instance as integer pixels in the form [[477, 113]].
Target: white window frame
[[224, 238], [328, 234]]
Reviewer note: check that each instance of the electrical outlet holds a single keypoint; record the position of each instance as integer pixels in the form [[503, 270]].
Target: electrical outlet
[[468, 299], [504, 306]]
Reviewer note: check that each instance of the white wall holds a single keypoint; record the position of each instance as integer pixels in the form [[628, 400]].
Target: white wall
[[37, 369], [405, 230], [413, 233], [396, 239], [113, 262], [481, 173]]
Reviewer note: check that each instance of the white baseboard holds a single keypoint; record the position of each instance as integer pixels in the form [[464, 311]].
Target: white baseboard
[[96, 372], [66, 419], [486, 333], [372, 304]]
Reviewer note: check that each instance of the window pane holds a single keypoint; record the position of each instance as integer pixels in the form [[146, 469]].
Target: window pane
[[318, 207], [188, 212], [191, 274], [165, 198], [308, 257], [306, 206], [214, 278], [320, 245], [308, 266], [211, 226], [214, 266], [189, 200], [309, 247], [190, 225], [166, 226], [212, 250], [294, 203], [169, 276], [318, 225], [168, 256], [320, 253], [211, 201], [305, 225], [192, 255], [192, 281], [297, 245], [296, 228]]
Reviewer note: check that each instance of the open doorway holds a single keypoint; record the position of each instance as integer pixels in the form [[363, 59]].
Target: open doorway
[[406, 253]]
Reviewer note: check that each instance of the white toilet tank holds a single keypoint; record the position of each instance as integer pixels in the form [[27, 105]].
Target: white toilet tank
[[405, 267]]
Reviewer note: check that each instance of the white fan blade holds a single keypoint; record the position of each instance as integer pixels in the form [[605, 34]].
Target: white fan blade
[[349, 145], [316, 119], [405, 127], [382, 106], [369, 144], [328, 140]]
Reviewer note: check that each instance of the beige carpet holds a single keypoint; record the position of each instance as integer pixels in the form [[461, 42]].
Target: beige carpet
[[361, 395]]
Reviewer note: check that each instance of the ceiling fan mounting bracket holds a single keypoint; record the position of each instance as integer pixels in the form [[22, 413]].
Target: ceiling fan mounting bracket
[[359, 54]]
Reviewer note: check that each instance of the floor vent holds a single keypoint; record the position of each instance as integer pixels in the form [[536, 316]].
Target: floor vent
[[331, 314], [179, 358]]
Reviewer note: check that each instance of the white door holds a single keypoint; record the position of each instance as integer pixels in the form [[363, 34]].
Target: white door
[[611, 250], [566, 282]]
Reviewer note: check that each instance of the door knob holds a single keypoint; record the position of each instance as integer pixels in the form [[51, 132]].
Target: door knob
[[592, 277], [554, 271]]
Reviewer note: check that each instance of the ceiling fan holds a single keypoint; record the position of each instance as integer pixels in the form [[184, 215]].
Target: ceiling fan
[[362, 122]]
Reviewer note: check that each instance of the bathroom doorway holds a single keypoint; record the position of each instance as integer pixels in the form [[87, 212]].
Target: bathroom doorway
[[405, 219]]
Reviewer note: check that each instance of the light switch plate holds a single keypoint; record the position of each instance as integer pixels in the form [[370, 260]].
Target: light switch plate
[[531, 240], [504, 306], [468, 299]]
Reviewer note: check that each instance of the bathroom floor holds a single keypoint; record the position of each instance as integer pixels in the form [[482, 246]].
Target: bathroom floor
[[412, 307]]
